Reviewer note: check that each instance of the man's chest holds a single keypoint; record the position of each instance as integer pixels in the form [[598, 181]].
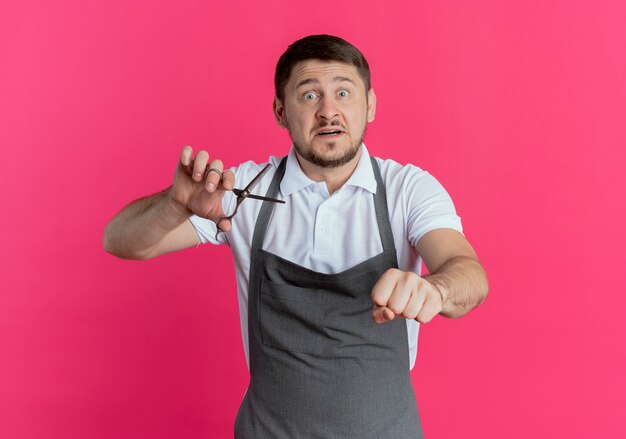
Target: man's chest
[[324, 233]]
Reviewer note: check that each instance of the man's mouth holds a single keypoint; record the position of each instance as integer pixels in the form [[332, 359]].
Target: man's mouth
[[329, 133]]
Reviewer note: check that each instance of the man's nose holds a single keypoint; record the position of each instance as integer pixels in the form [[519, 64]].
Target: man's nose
[[327, 109]]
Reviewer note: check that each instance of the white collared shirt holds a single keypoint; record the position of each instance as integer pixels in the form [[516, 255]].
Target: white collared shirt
[[331, 233]]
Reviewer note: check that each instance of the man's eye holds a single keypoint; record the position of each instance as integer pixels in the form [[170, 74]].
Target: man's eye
[[343, 93], [309, 96]]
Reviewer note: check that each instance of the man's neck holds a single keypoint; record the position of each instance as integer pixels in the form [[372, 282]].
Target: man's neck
[[333, 177]]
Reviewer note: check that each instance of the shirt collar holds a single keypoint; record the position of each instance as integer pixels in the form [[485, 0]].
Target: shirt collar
[[295, 180]]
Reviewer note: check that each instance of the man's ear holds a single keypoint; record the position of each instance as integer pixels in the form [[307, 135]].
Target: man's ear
[[371, 105], [279, 112]]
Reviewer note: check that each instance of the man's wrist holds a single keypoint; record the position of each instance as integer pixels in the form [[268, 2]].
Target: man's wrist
[[171, 212], [173, 207], [441, 289]]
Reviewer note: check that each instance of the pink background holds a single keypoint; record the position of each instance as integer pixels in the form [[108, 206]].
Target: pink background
[[518, 108]]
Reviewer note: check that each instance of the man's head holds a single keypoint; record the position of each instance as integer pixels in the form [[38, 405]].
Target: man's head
[[324, 98], [325, 48]]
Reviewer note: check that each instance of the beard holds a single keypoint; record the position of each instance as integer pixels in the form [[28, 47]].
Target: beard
[[308, 153]]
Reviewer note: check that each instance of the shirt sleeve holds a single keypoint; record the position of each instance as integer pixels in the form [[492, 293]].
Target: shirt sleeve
[[206, 230], [429, 206]]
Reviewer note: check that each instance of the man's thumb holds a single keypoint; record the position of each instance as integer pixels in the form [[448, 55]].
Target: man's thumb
[[382, 314]]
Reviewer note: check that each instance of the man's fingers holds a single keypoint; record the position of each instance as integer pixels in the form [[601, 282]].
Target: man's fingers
[[224, 225], [402, 292], [405, 294], [428, 311], [185, 156], [384, 287], [214, 175], [228, 179], [431, 307], [382, 314], [199, 165], [200, 169], [413, 307]]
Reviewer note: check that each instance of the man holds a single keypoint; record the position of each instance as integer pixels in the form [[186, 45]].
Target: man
[[329, 287]]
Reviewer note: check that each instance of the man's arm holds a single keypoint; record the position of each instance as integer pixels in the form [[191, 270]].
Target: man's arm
[[159, 224], [454, 269], [149, 227], [457, 282]]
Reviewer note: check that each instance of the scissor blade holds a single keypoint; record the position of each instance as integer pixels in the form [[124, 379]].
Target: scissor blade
[[273, 200], [258, 197], [256, 179]]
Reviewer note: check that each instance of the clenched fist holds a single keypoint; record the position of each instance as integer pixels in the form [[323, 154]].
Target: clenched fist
[[405, 294]]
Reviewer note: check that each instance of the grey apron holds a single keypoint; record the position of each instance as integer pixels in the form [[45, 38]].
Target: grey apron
[[320, 367]]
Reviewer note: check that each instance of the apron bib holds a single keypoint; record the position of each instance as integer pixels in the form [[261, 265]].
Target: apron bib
[[320, 367]]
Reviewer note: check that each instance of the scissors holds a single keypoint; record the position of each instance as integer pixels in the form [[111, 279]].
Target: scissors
[[242, 194]]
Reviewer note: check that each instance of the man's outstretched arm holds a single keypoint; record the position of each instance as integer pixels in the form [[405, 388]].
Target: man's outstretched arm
[[149, 227], [158, 224], [455, 270]]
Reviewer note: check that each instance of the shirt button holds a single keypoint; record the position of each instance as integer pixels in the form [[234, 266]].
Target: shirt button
[[322, 229]]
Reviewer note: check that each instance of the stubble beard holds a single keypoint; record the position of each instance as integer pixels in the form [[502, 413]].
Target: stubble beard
[[309, 154]]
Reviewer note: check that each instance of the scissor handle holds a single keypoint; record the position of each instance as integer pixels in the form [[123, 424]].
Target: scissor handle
[[242, 194], [240, 198]]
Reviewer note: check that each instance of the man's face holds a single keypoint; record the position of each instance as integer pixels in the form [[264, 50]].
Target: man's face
[[326, 110]]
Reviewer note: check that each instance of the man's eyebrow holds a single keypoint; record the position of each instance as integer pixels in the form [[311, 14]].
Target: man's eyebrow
[[316, 81], [307, 81], [342, 79]]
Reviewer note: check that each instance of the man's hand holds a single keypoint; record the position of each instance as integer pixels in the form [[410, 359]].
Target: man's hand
[[158, 224], [200, 191], [405, 294]]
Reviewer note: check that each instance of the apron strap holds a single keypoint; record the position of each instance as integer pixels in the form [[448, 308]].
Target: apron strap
[[382, 212], [267, 207]]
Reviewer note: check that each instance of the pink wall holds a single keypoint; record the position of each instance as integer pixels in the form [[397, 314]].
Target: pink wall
[[518, 108]]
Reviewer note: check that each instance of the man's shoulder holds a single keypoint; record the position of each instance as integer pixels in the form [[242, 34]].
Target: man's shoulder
[[395, 173], [409, 184]]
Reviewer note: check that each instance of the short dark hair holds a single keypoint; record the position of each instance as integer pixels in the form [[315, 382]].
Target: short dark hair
[[322, 47]]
